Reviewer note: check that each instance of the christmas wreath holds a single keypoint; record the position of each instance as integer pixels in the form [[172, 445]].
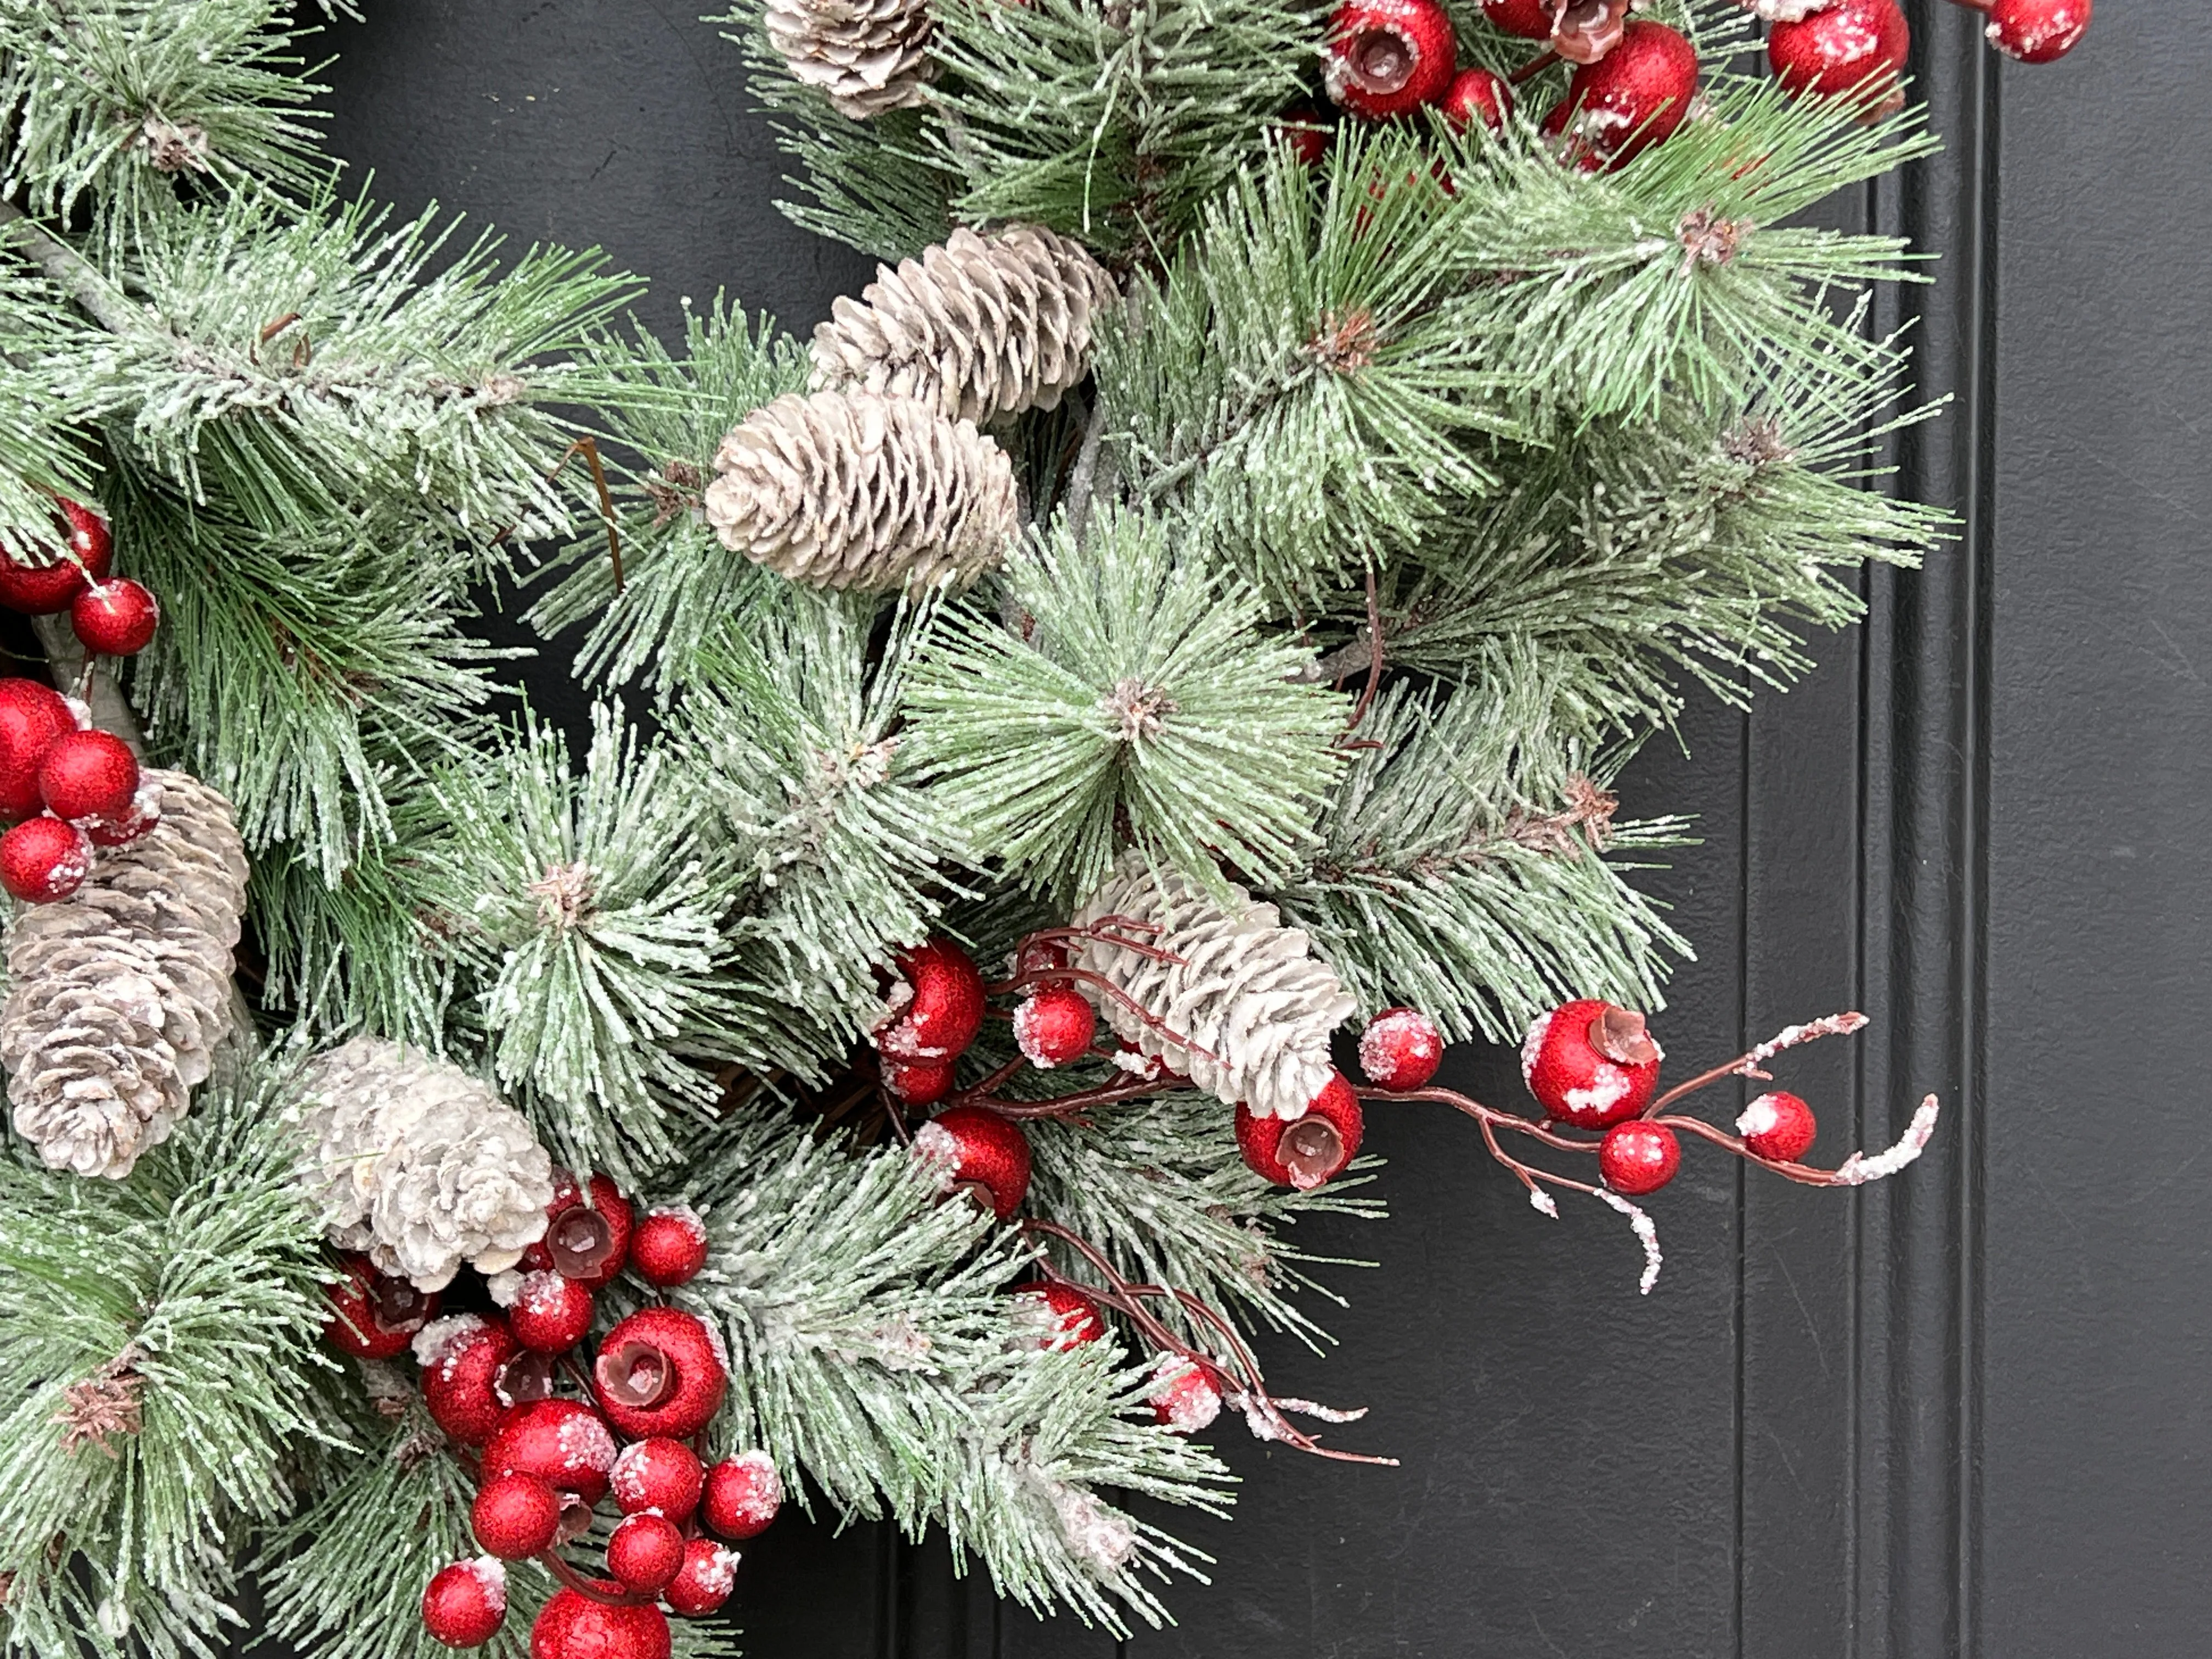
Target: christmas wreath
[[1189, 613]]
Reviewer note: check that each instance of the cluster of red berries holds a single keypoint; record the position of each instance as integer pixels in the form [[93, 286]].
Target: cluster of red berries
[[935, 1011], [115, 618], [1186, 1394]]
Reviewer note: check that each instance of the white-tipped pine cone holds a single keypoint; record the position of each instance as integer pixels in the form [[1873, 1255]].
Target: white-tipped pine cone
[[119, 994], [978, 326], [866, 56], [857, 490], [1244, 989], [420, 1164], [1786, 11]]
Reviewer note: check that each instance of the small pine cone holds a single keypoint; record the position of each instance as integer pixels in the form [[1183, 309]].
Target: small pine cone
[[977, 326], [855, 490], [120, 994], [1244, 989], [866, 56], [420, 1164]]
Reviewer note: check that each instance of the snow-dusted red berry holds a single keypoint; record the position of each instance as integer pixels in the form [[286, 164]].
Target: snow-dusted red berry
[[563, 1442], [1637, 1157], [587, 1242], [936, 1009], [46, 585], [134, 820], [89, 775], [669, 1247], [918, 1082], [1530, 19], [1186, 1396], [1400, 1048], [43, 860], [463, 1605], [515, 1516], [1476, 95], [1856, 46], [1779, 1126], [2037, 31], [574, 1626], [1591, 1064], [976, 1151], [550, 1314], [742, 1496], [1068, 1318], [1632, 98], [373, 1316], [645, 1552], [1055, 1026], [705, 1580], [33, 717], [1387, 58], [115, 618], [471, 1375], [658, 1474], [660, 1372], [1305, 1151]]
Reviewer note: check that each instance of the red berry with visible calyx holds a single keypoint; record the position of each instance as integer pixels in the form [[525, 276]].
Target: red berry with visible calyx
[[43, 860], [1400, 1048], [646, 1553], [474, 1372], [2037, 31], [1591, 1064], [585, 1241], [374, 1316], [659, 1474], [742, 1496], [1639, 1157], [936, 1009], [1055, 1026], [46, 585], [669, 1247], [115, 618], [1304, 1151], [1476, 95], [564, 1443], [1632, 98], [515, 1516], [1068, 1318], [550, 1314], [463, 1605], [1779, 1126], [89, 775], [33, 717], [1387, 58], [572, 1625], [705, 1580], [1530, 19], [1186, 1396], [1855, 46], [976, 1151], [660, 1372]]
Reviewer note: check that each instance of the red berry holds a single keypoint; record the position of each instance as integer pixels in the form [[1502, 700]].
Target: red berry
[[918, 1082], [659, 1474], [374, 1316], [515, 1516], [470, 1376], [563, 1442], [550, 1314], [32, 717], [1632, 98], [743, 1494], [1854, 47], [1389, 58], [1054, 1026], [585, 1241], [115, 618], [703, 1582], [646, 1552], [2037, 31], [1187, 1396], [574, 1626], [1304, 1151], [1779, 1126], [1070, 1318], [660, 1372], [1400, 1048], [1639, 1157], [43, 859], [89, 775], [1476, 95], [1302, 130], [936, 1010], [45, 587], [978, 1152], [463, 1605], [669, 1247], [134, 820], [1591, 1064], [1530, 19]]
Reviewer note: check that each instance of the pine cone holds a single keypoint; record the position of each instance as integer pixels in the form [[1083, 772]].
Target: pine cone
[[1244, 989], [854, 490], [867, 56], [120, 994], [977, 326], [420, 1164]]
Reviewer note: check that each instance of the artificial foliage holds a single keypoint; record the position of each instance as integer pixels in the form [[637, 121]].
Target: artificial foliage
[[1203, 595]]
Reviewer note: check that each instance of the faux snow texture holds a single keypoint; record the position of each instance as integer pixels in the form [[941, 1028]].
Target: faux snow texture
[[1244, 989], [866, 56], [860, 490], [120, 994], [420, 1164], [977, 326]]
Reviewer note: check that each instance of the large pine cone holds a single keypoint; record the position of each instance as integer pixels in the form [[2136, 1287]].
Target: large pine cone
[[1244, 990], [866, 56], [420, 1164], [120, 994], [977, 326], [854, 490]]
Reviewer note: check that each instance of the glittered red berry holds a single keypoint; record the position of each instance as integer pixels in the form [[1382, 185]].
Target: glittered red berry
[[89, 775], [47, 583], [115, 618], [2037, 31], [1530, 19], [473, 1373], [659, 1474], [1400, 1048], [1304, 1151], [1637, 1157], [574, 1626], [32, 717], [669, 1247], [1387, 58], [1303, 129], [743, 1494], [1591, 1064], [585, 1241], [1856, 46], [918, 1082], [550, 1314], [1779, 1126], [43, 860], [463, 1605], [705, 1580], [1476, 95], [1067, 1318], [1054, 1026], [373, 1316], [134, 820], [515, 1516], [563, 1443], [645, 1552], [936, 1009], [660, 1372], [976, 1151], [1186, 1396], [1632, 98]]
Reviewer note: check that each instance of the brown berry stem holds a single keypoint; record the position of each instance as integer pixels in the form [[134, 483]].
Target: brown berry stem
[[1748, 1063], [606, 1591], [1535, 67]]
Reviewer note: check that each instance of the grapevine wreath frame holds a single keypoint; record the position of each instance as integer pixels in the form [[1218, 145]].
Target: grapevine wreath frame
[[1212, 579]]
